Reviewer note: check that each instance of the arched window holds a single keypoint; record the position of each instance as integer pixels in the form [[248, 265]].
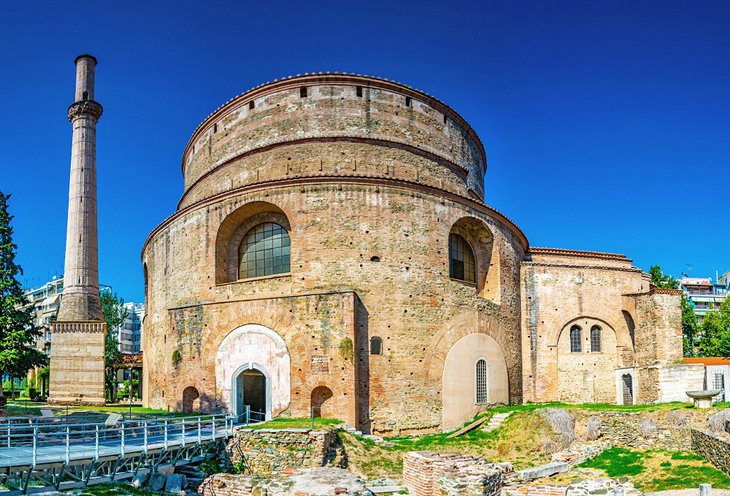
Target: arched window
[[264, 251], [596, 339], [575, 345], [376, 346], [461, 259], [482, 382]]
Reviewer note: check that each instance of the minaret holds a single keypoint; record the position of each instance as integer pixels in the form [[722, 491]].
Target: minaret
[[77, 349]]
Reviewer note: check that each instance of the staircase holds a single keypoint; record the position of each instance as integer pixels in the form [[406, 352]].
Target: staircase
[[496, 420]]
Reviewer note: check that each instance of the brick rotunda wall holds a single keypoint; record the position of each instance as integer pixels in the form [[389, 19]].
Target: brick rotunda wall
[[369, 188]]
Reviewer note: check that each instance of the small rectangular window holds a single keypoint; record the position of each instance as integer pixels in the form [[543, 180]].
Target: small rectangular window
[[358, 90], [215, 127], [303, 92], [251, 105], [408, 101]]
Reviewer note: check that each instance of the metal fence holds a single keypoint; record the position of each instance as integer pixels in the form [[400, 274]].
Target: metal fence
[[42, 440]]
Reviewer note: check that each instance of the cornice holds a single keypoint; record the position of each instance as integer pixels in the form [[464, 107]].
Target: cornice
[[578, 253], [85, 108], [327, 180], [327, 78]]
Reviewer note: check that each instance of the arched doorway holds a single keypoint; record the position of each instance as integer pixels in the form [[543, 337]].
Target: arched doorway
[[189, 399], [253, 358], [251, 394], [320, 395]]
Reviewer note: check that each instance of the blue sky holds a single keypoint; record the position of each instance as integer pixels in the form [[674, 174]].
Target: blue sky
[[606, 124]]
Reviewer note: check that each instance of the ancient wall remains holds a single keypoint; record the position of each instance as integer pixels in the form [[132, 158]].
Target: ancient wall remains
[[450, 474], [266, 451], [715, 447]]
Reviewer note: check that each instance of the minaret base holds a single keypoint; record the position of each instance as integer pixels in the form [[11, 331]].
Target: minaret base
[[77, 363]]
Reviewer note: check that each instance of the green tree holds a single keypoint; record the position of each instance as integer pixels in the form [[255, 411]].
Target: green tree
[[689, 327], [114, 315], [662, 280], [715, 331], [18, 331]]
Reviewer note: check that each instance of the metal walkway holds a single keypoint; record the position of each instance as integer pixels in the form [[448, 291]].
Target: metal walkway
[[38, 455]]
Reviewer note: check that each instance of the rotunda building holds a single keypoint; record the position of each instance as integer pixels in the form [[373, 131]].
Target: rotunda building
[[332, 253]]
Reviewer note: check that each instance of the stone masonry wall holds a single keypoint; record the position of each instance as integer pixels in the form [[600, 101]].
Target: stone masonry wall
[[713, 447], [450, 474], [267, 451]]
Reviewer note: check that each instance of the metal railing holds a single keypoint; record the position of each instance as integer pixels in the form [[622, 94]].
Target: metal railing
[[251, 416], [46, 440]]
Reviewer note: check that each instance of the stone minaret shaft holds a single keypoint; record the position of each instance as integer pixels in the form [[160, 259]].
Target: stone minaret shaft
[[80, 300]]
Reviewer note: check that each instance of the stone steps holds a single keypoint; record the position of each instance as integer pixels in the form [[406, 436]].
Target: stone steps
[[496, 421]]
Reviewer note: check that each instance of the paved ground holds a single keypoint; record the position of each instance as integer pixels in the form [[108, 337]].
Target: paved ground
[[690, 492]]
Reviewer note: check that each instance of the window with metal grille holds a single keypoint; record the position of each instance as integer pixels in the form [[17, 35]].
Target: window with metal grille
[[264, 251], [596, 339], [482, 382], [461, 259], [575, 344], [376, 346], [719, 381]]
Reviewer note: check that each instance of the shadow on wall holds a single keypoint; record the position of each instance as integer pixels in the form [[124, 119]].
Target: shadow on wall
[[362, 364], [193, 402]]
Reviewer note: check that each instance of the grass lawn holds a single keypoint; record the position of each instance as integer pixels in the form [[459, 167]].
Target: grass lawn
[[655, 470], [296, 423], [115, 489], [519, 440], [22, 408]]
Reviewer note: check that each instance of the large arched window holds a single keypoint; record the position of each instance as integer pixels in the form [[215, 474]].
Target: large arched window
[[575, 344], [264, 251], [461, 259], [482, 382], [596, 339]]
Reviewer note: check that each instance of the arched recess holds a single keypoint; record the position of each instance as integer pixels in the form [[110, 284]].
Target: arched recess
[[321, 407], [258, 348], [461, 378], [190, 400], [587, 376], [631, 327], [481, 240], [232, 230]]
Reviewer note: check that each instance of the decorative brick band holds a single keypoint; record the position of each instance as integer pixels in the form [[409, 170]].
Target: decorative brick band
[[578, 253], [78, 327], [444, 162], [350, 179]]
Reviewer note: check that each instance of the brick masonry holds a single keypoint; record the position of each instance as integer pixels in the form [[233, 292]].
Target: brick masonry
[[369, 178], [436, 474]]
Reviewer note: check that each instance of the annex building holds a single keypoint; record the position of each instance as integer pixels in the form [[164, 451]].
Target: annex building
[[333, 252]]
